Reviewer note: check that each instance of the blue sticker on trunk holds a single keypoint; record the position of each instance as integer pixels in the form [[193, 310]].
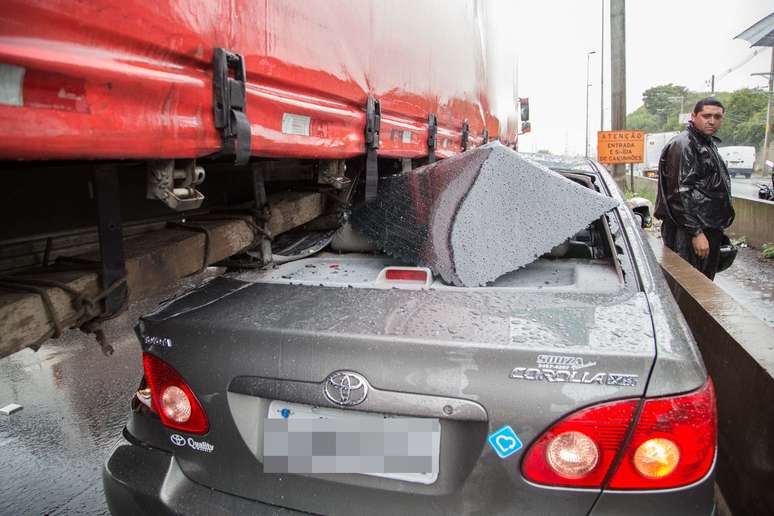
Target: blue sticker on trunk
[[505, 442]]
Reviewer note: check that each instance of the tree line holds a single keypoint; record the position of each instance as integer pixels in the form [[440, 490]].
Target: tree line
[[743, 124]]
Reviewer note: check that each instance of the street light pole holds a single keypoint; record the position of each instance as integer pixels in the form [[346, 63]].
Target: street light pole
[[588, 58], [602, 73]]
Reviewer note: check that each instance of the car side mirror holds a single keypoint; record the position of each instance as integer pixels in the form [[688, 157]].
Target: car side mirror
[[642, 209]]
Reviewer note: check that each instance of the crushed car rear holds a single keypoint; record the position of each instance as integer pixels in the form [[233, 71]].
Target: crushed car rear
[[569, 386]]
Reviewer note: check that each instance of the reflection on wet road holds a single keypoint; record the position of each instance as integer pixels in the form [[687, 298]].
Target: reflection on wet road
[[76, 402]]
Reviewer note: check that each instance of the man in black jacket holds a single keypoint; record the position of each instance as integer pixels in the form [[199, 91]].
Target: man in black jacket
[[694, 194]]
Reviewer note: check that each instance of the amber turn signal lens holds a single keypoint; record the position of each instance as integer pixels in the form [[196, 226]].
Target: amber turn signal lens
[[656, 458]]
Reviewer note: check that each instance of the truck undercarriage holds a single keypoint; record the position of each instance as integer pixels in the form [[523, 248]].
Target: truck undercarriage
[[89, 237]]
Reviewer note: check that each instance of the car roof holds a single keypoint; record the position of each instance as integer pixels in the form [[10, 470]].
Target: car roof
[[563, 163]]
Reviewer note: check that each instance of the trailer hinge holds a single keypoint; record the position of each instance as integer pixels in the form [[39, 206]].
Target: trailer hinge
[[465, 131], [432, 136], [230, 104], [372, 128], [485, 135]]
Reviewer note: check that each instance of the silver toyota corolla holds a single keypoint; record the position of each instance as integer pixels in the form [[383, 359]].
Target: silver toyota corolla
[[349, 383]]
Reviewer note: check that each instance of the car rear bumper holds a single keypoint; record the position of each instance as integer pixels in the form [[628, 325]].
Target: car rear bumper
[[697, 499], [142, 480]]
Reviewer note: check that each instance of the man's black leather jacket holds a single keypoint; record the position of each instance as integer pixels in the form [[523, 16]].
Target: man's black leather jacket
[[694, 186]]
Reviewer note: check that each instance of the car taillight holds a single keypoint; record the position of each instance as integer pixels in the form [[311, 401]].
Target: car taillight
[[578, 450], [672, 444], [172, 399]]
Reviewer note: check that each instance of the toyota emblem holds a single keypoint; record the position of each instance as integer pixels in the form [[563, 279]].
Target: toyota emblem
[[345, 388], [177, 439]]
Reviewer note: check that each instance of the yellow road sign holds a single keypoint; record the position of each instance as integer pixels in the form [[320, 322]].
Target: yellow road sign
[[614, 147]]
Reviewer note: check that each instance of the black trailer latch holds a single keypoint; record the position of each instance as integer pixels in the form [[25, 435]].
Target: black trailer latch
[[230, 104], [465, 131], [372, 128], [432, 136]]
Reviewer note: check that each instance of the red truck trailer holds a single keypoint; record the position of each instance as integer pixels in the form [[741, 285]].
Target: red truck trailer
[[135, 79], [289, 108]]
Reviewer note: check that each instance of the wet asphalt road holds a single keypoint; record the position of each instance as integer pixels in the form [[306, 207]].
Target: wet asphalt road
[[76, 402], [743, 187]]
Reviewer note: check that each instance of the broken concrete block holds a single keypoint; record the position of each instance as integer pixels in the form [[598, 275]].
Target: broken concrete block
[[477, 216]]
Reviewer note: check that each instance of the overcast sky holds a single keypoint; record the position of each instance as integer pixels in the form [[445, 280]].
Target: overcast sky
[[678, 41]]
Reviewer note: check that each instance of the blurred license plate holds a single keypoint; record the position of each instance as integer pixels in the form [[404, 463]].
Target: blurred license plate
[[305, 439]]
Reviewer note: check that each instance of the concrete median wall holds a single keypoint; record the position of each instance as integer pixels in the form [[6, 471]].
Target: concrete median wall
[[738, 350], [754, 218], [645, 185]]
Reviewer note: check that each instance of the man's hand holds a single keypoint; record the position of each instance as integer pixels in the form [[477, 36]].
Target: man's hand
[[700, 245]]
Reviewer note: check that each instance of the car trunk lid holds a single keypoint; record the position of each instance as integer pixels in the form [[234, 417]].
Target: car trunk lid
[[474, 360]]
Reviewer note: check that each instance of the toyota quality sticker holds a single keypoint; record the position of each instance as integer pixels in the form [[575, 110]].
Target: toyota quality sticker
[[202, 446], [505, 442]]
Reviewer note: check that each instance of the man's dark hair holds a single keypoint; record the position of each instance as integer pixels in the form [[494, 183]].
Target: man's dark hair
[[708, 101]]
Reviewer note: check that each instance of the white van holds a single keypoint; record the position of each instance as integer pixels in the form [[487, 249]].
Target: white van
[[654, 144], [739, 160]]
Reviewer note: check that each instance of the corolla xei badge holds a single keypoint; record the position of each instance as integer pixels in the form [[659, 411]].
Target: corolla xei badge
[[345, 388], [568, 369]]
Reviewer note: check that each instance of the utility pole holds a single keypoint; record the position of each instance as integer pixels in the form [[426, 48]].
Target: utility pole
[[586, 148], [767, 129], [602, 73], [618, 75], [767, 132], [712, 85], [681, 98]]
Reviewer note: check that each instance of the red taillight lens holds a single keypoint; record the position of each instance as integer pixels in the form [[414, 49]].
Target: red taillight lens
[[172, 399], [578, 450], [673, 444]]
